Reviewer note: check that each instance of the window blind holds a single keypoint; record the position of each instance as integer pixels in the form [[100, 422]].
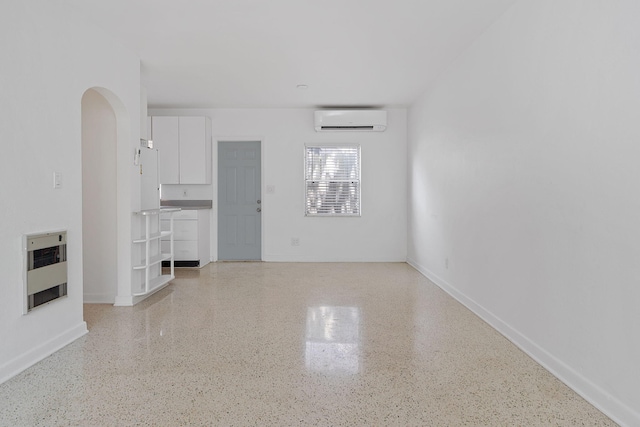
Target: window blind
[[332, 180]]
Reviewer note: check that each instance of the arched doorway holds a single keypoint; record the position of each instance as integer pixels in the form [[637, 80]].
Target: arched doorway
[[99, 198]]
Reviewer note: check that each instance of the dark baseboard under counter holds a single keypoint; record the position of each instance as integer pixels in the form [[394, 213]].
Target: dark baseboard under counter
[[195, 263]]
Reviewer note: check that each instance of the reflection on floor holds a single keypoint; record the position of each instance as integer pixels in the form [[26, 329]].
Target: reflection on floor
[[291, 344]]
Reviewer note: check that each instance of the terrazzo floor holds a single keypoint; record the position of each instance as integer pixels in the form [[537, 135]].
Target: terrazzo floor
[[276, 344]]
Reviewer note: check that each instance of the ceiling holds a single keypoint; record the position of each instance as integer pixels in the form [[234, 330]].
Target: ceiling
[[254, 53]]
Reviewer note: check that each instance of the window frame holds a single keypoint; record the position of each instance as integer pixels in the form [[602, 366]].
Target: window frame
[[358, 181]]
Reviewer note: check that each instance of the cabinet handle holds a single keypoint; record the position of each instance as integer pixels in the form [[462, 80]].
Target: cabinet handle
[[259, 210]]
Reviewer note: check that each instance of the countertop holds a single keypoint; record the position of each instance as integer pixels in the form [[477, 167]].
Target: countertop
[[186, 204], [158, 211]]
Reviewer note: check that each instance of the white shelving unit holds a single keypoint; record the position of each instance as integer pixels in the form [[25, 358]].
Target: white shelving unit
[[153, 256]]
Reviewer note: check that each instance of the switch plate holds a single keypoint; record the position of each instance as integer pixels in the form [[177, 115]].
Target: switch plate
[[57, 180]]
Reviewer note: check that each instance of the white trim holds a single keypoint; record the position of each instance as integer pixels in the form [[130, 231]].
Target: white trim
[[40, 352], [128, 301], [591, 392], [99, 298], [123, 301], [326, 259], [126, 138]]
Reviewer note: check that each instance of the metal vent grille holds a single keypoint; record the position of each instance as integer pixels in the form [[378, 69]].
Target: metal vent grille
[[45, 268]]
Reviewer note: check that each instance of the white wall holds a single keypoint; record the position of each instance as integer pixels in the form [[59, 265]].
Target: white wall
[[144, 125], [379, 235], [50, 57], [524, 194], [99, 199]]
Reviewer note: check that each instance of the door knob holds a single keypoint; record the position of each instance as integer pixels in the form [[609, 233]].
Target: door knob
[[258, 210]]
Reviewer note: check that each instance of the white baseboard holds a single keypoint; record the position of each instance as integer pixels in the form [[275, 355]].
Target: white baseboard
[[99, 298], [326, 259], [131, 300], [591, 392], [35, 355], [123, 301]]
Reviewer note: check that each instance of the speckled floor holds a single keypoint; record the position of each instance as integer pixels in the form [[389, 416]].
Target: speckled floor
[[262, 344]]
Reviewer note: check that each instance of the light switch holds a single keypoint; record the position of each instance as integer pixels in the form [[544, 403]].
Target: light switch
[[57, 180]]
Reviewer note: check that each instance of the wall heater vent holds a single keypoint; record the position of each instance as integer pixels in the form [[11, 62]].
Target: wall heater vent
[[45, 268]]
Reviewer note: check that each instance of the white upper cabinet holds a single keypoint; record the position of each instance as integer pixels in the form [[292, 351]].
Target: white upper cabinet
[[184, 148], [193, 149], [165, 135]]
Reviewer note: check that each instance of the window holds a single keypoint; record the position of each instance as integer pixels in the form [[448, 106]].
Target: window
[[332, 180]]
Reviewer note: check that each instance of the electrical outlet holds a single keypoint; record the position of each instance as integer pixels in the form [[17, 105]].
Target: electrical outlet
[[295, 241]]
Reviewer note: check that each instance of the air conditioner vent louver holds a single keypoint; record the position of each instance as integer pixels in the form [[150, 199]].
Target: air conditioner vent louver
[[350, 120], [45, 264], [347, 127]]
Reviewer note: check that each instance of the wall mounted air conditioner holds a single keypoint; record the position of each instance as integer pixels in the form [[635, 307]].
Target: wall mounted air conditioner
[[45, 268], [350, 120]]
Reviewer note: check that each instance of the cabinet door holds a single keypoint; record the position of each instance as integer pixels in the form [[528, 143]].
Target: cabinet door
[[183, 214], [193, 151], [185, 230], [165, 136], [182, 250], [182, 229]]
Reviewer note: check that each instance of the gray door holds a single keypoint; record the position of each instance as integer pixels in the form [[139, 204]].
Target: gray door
[[239, 201]]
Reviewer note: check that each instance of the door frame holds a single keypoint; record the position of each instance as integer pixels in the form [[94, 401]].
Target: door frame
[[214, 175], [123, 209]]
